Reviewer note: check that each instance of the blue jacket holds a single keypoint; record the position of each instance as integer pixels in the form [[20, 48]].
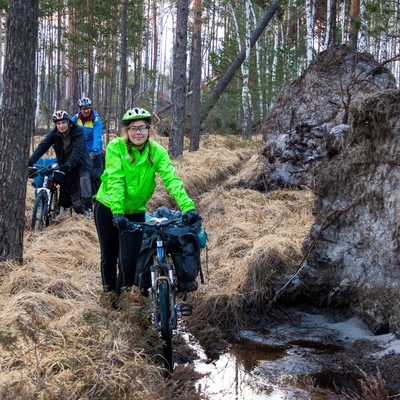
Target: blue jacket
[[92, 129]]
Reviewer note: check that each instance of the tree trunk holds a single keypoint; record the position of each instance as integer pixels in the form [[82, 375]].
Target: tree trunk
[[195, 114], [175, 146], [124, 75], [59, 66], [332, 27], [73, 95], [90, 61], [354, 17], [310, 30], [246, 96], [18, 110], [231, 71]]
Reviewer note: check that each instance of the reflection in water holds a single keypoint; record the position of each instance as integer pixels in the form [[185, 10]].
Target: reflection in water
[[231, 377], [227, 379], [248, 353], [290, 362]]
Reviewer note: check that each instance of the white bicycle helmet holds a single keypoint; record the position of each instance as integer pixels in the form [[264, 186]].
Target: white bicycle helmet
[[60, 115], [84, 102], [136, 113]]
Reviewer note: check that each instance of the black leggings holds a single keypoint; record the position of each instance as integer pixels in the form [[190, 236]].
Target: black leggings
[[115, 245]]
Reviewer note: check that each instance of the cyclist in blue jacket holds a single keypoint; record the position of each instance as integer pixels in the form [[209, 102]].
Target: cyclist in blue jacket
[[92, 126]]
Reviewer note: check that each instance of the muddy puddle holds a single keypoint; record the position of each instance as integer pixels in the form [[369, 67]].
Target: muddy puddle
[[288, 360]]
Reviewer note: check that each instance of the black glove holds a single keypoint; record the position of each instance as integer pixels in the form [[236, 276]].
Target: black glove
[[30, 163], [190, 217], [32, 172], [65, 167], [93, 154], [120, 222]]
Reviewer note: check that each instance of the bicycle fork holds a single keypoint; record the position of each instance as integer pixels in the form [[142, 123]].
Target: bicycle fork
[[163, 271]]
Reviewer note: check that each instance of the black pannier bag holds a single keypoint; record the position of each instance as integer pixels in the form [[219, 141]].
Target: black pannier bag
[[144, 262], [183, 246], [185, 254]]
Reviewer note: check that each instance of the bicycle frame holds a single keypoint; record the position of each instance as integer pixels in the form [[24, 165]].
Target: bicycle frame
[[44, 190], [163, 286], [161, 270], [46, 196]]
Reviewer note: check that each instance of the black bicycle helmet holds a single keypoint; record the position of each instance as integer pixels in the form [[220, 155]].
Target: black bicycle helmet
[[60, 115], [136, 113]]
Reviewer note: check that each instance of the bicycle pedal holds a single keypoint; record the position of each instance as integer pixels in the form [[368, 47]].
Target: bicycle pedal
[[185, 309]]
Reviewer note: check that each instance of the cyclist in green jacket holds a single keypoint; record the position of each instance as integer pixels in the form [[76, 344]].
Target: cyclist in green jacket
[[128, 182]]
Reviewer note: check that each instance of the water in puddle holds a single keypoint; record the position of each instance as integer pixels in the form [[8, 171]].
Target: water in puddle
[[283, 363], [252, 370]]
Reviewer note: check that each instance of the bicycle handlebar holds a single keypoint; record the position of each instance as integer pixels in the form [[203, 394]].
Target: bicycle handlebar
[[155, 224], [43, 169]]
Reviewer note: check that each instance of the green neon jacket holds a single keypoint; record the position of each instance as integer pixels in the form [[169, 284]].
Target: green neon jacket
[[126, 188]]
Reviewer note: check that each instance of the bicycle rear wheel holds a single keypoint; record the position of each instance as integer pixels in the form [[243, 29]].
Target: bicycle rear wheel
[[165, 323], [39, 212]]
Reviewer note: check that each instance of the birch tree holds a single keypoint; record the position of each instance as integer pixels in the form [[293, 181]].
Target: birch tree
[[258, 65], [310, 30], [363, 44], [384, 35], [343, 20], [235, 65], [246, 96]]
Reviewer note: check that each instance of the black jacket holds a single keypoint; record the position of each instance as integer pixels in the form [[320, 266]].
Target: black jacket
[[79, 156]]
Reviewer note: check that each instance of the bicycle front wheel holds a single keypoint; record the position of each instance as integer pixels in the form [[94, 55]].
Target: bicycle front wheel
[[39, 213], [53, 210], [165, 323]]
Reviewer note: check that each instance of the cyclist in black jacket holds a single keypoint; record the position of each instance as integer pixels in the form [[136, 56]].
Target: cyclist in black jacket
[[73, 159]]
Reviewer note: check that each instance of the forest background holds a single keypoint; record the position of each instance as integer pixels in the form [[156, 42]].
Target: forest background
[[120, 53]]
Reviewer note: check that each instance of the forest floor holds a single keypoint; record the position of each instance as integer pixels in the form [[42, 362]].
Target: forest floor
[[60, 342]]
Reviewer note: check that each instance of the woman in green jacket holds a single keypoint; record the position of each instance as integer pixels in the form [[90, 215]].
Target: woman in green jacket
[[128, 182]]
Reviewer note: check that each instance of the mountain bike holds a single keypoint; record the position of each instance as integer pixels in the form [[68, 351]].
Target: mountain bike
[[161, 231], [46, 207]]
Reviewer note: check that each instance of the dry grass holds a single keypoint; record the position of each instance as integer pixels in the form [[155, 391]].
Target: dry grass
[[253, 249], [61, 341]]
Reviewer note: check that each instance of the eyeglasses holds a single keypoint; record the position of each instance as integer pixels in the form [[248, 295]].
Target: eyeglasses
[[140, 128]]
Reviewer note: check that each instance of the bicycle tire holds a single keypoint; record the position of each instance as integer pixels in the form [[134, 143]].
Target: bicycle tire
[[53, 210], [165, 322], [38, 214]]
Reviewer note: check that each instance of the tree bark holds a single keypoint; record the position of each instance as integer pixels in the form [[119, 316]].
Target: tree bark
[[18, 111], [354, 18], [124, 75], [332, 25], [231, 71], [195, 114], [175, 146]]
